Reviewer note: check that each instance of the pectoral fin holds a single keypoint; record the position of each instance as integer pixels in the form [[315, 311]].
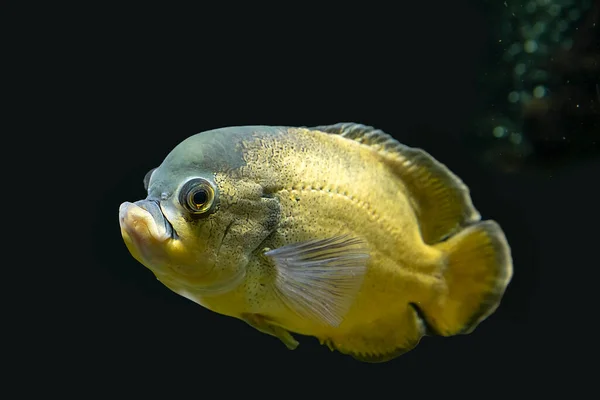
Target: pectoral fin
[[319, 279]]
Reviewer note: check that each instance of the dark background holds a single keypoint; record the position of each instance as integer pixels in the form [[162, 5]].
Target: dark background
[[138, 84]]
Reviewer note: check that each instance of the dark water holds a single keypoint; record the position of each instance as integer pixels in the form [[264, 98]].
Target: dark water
[[440, 76]]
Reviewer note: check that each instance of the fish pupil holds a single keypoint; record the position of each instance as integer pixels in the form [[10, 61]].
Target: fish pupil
[[200, 197]]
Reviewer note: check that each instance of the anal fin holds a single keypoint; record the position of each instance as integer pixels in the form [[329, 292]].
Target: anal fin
[[381, 341]]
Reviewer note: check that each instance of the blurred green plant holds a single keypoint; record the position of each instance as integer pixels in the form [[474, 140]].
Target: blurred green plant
[[542, 100]]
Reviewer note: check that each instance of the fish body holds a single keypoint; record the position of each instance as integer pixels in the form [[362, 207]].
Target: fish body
[[337, 232]]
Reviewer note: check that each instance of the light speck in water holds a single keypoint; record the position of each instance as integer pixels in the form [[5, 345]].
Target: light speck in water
[[520, 69], [527, 31], [516, 138], [499, 131], [539, 92], [514, 49], [530, 46], [525, 97], [513, 97]]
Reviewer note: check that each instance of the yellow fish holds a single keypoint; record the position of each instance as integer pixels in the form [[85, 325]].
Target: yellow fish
[[337, 232]]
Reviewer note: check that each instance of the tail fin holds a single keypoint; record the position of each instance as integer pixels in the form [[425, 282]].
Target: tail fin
[[478, 270]]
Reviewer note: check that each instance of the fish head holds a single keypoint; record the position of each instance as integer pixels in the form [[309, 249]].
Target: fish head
[[202, 219]]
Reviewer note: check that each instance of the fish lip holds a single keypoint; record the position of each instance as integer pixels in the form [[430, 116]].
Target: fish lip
[[171, 232], [156, 210], [153, 208]]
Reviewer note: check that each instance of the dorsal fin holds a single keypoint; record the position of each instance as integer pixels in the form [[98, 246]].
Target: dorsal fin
[[441, 200]]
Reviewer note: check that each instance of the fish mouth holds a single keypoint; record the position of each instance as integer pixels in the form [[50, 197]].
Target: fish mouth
[[145, 221], [152, 240]]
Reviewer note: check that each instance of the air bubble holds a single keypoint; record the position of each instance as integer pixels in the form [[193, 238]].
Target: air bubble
[[520, 69], [516, 138], [514, 49], [499, 132], [525, 97], [539, 92], [530, 46], [513, 97]]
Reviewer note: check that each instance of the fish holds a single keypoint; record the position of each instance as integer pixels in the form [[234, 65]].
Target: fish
[[336, 232]]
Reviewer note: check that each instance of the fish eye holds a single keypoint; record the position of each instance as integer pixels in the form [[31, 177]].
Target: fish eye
[[197, 196]]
